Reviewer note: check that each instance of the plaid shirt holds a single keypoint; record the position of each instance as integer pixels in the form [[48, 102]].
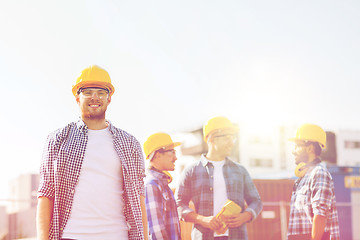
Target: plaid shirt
[[161, 207], [196, 184], [60, 169], [313, 195]]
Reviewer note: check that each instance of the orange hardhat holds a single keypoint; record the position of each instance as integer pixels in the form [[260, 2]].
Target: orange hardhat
[[311, 133], [157, 141], [93, 76], [217, 123]]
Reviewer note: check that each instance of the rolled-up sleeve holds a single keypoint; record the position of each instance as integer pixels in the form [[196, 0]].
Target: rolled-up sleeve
[[321, 193], [183, 194], [46, 183], [252, 197], [139, 161]]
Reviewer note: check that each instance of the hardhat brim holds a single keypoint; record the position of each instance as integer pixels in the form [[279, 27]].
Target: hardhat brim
[[234, 129], [172, 145], [309, 140]]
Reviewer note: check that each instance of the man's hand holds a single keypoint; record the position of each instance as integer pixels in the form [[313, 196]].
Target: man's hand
[[211, 222], [222, 230], [236, 220]]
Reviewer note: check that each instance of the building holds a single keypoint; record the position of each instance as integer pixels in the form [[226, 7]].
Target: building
[[23, 193], [3, 222], [348, 147], [22, 207]]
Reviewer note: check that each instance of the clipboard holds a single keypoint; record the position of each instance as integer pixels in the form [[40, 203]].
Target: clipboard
[[229, 208]]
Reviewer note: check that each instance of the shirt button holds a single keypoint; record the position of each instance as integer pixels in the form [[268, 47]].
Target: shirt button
[[211, 189], [211, 176], [61, 229]]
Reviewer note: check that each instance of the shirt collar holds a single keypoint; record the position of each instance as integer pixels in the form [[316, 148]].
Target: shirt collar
[[83, 127], [204, 161], [159, 175]]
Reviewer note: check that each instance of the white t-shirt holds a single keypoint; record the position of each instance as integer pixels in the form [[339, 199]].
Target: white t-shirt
[[98, 207], [220, 194]]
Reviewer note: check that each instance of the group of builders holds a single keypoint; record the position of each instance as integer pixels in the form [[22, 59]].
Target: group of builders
[[94, 185]]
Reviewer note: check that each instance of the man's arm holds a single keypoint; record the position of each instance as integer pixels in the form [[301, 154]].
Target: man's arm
[[210, 222], [43, 217], [321, 194], [318, 227], [46, 191], [253, 200], [236, 220], [144, 217]]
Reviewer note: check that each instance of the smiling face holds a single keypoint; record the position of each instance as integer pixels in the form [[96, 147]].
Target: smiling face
[[93, 102]]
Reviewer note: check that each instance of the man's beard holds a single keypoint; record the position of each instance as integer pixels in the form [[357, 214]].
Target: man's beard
[[94, 116], [302, 157]]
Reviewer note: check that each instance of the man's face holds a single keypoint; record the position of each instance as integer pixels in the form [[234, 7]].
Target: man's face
[[93, 102], [166, 159], [300, 152], [223, 141]]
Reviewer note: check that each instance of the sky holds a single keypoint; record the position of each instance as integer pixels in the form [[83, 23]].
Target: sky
[[174, 65]]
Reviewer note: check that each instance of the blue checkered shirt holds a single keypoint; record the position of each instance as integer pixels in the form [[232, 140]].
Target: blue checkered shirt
[[161, 210], [196, 184], [60, 169], [313, 195]]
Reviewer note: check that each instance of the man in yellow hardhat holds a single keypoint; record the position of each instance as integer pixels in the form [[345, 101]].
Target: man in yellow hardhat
[[162, 215], [213, 180], [313, 213], [92, 173]]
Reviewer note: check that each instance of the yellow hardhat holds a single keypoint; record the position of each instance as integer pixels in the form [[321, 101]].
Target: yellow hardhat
[[312, 133], [217, 123], [157, 141], [93, 76]]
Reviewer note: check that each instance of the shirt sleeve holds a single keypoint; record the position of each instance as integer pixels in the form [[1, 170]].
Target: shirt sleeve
[[183, 194], [321, 192], [139, 160], [46, 183], [252, 197], [155, 212]]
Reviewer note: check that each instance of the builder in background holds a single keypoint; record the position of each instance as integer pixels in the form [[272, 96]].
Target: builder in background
[[211, 181], [161, 210], [91, 176], [313, 213]]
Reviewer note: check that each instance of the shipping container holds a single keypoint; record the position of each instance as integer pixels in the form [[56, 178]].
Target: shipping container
[[271, 224], [347, 193]]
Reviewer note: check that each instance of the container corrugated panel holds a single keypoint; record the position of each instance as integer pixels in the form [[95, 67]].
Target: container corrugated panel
[[271, 224], [347, 193]]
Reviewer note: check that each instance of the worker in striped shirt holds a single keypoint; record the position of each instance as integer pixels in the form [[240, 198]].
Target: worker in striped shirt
[[313, 213], [160, 203]]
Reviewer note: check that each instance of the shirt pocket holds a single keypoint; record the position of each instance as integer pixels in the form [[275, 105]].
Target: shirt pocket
[[301, 199]]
